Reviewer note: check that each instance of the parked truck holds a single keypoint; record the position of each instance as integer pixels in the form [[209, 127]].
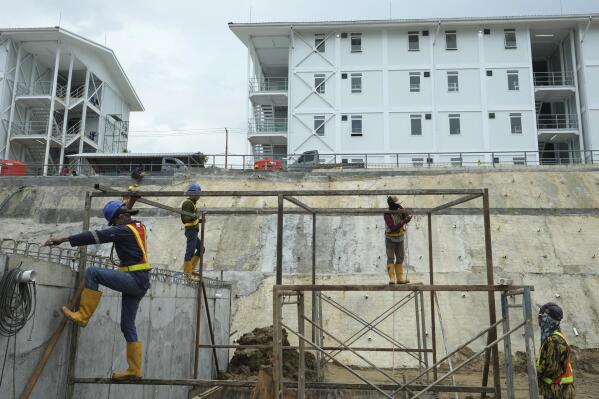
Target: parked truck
[[309, 160], [124, 164]]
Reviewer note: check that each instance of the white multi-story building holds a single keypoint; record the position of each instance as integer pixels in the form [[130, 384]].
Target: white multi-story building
[[60, 94], [515, 90]]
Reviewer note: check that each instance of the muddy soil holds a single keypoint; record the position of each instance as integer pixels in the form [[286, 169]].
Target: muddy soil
[[587, 384], [245, 363]]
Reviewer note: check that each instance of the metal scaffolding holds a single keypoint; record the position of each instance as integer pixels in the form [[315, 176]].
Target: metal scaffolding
[[427, 367]]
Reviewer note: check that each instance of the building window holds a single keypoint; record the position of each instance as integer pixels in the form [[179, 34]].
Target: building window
[[509, 36], [519, 160], [414, 82], [356, 83], [418, 161], [319, 44], [416, 125], [319, 125], [512, 80], [356, 42], [451, 40], [452, 82], [413, 41], [516, 123], [456, 161], [319, 83], [454, 124], [356, 125]]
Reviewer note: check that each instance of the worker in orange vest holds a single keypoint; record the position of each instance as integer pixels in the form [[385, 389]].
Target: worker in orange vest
[[132, 278], [554, 367]]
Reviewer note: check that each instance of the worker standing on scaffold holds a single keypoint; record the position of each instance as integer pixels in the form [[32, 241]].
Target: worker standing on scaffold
[[394, 240], [193, 246], [132, 277]]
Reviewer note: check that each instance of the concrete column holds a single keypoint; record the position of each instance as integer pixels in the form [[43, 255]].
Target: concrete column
[[483, 97], [12, 104], [66, 112], [32, 74], [577, 96], [51, 116], [84, 113]]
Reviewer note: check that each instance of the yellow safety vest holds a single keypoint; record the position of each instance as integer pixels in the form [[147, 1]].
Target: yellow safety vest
[[196, 221], [568, 376], [139, 232]]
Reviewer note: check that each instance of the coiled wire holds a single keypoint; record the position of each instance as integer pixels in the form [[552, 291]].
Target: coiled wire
[[17, 302]]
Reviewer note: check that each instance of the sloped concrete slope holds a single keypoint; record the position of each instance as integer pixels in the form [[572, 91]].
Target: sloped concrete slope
[[545, 231]]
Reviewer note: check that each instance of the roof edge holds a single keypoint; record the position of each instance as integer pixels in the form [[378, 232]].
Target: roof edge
[[73, 35], [518, 18]]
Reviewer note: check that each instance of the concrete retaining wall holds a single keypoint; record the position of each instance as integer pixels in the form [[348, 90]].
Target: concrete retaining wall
[[165, 322], [545, 231]]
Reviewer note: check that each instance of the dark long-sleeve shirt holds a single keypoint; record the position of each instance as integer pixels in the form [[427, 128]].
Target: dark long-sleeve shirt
[[189, 206], [125, 244], [552, 364]]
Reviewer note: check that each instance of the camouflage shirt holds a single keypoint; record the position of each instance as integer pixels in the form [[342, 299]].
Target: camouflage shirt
[[552, 364]]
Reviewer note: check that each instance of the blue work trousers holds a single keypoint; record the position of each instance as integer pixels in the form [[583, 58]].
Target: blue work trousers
[[192, 248], [132, 285]]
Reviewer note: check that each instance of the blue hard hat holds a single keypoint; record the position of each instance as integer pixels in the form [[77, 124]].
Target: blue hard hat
[[194, 187], [114, 208]]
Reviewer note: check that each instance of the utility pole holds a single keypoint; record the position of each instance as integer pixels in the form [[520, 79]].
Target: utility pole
[[226, 145]]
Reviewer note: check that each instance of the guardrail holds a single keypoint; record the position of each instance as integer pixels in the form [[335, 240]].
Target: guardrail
[[268, 84], [41, 88], [553, 79], [274, 125], [423, 160], [556, 121], [34, 128]]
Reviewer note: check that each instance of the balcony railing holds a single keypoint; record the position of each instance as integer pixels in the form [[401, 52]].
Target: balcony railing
[[554, 79], [557, 121], [41, 88], [269, 125], [268, 84], [34, 128]]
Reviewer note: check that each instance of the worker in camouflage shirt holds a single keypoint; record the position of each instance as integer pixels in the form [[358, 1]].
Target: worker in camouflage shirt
[[554, 370]]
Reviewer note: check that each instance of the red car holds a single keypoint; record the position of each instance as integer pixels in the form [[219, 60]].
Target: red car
[[12, 168], [268, 164]]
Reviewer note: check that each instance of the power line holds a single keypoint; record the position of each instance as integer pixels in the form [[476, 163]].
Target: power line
[[181, 134], [202, 129]]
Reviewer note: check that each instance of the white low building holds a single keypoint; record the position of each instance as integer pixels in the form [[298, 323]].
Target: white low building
[[60, 94], [510, 90]]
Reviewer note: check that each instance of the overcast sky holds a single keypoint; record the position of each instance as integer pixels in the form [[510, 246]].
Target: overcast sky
[[190, 70]]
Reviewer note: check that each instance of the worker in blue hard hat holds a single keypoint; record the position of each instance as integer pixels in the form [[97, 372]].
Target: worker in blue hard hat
[[193, 245], [132, 277]]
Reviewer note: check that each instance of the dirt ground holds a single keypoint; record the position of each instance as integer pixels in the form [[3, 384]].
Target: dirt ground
[[587, 384]]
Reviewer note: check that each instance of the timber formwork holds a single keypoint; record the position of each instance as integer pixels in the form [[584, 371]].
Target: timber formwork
[[427, 367]]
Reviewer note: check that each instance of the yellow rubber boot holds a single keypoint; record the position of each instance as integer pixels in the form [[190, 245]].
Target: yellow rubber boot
[[188, 270], [391, 272], [194, 262], [87, 306], [133, 372], [399, 274]]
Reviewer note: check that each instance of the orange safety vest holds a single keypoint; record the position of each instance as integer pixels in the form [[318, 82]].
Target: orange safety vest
[[568, 376], [139, 232]]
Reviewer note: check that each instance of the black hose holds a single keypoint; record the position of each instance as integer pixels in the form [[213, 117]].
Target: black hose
[[17, 302]]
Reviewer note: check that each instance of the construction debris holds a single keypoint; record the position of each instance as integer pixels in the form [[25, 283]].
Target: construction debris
[[246, 362]]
